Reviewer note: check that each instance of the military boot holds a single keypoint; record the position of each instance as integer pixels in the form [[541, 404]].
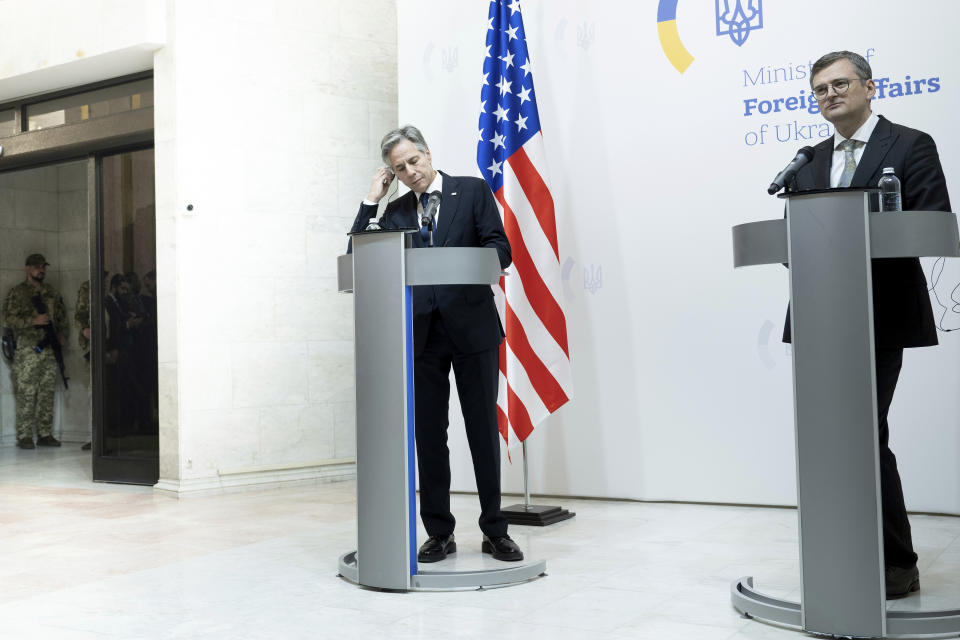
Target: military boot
[[26, 443], [47, 441]]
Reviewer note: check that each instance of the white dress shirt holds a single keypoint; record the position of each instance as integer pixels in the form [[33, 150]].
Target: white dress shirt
[[436, 185], [862, 135]]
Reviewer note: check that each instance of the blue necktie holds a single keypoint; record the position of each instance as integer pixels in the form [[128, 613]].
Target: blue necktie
[[425, 229]]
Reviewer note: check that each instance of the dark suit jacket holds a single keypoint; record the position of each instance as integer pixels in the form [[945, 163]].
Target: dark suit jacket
[[902, 316], [468, 218]]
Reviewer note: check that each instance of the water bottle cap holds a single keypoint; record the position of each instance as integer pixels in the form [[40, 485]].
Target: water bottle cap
[[888, 169]]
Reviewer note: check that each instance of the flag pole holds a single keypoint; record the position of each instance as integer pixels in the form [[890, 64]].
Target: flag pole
[[526, 479], [533, 515]]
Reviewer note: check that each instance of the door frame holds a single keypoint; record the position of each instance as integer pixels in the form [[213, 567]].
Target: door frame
[[71, 141], [91, 139]]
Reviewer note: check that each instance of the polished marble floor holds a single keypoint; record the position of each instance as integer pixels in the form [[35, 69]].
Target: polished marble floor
[[96, 561]]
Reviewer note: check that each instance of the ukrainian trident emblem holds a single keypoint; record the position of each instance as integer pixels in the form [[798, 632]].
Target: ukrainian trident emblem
[[736, 21], [593, 278], [449, 59]]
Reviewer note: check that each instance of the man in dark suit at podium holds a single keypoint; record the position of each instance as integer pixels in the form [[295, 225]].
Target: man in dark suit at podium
[[855, 156], [453, 325]]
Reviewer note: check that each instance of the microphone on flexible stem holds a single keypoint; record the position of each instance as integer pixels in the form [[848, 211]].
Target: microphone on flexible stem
[[429, 211], [803, 156]]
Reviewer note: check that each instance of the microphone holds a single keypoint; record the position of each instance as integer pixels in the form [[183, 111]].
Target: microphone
[[803, 156], [433, 202]]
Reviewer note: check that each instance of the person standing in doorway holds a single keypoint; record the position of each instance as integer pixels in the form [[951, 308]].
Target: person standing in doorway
[[32, 308], [82, 318]]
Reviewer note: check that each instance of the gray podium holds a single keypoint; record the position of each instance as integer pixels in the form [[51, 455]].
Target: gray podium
[[380, 272], [829, 238]]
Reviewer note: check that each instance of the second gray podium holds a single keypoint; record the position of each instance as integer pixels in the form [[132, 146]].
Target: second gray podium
[[829, 239], [380, 272]]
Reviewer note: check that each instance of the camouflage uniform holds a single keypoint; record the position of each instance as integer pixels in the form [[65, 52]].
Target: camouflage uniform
[[82, 317], [34, 374]]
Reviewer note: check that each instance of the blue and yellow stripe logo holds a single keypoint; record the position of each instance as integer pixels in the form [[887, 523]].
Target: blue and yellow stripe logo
[[677, 54]]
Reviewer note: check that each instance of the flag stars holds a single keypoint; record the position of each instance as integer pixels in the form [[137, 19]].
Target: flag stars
[[508, 70], [480, 136]]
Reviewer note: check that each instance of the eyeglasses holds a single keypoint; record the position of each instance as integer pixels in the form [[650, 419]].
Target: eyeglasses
[[840, 86]]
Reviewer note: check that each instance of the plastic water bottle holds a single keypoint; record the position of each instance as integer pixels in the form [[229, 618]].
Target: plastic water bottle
[[373, 225], [889, 191]]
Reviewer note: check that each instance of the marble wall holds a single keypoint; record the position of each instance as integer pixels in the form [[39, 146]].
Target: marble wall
[[268, 121], [44, 210]]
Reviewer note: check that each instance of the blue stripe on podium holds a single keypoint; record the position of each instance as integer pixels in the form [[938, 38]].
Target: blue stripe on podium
[[411, 421]]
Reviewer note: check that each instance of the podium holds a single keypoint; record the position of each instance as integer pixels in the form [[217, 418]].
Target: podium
[[379, 273], [829, 238]]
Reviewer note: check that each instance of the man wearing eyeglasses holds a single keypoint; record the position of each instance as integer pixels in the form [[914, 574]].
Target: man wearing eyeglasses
[[865, 143]]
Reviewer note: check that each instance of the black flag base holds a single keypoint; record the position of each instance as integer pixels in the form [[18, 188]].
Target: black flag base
[[535, 515]]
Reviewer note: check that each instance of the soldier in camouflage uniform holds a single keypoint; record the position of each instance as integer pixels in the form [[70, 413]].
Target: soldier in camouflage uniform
[[34, 374], [82, 318]]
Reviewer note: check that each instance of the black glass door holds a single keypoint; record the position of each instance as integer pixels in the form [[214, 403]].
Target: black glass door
[[124, 320]]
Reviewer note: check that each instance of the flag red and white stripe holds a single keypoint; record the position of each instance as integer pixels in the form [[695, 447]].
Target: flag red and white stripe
[[535, 378]]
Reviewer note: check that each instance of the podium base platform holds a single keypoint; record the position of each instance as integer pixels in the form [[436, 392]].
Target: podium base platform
[[454, 575], [535, 515], [900, 624]]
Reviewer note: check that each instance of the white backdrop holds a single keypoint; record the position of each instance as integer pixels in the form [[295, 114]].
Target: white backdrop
[[682, 386]]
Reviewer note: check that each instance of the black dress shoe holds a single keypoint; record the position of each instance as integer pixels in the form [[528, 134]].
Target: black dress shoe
[[502, 548], [901, 582], [436, 548]]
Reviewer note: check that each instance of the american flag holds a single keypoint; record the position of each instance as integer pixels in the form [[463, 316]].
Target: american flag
[[534, 359]]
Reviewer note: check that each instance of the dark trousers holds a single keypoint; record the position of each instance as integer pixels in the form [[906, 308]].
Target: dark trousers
[[476, 375], [897, 541]]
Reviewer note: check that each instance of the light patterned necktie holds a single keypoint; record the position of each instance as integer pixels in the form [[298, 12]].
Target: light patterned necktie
[[849, 161]]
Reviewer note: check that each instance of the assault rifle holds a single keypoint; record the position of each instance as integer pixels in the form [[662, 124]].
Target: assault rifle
[[50, 338], [8, 344]]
